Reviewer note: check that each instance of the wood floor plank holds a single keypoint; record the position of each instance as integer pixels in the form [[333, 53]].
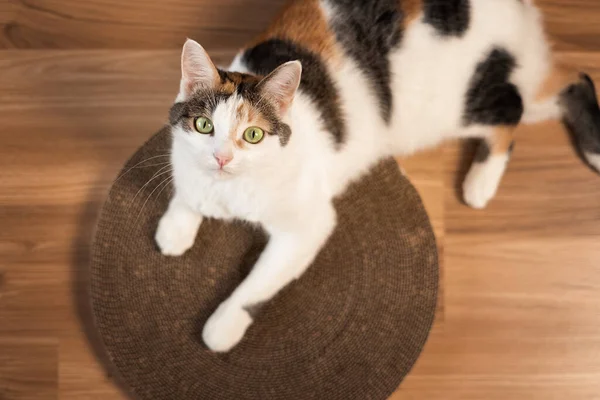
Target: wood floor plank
[[155, 24], [521, 322], [572, 24], [28, 369], [82, 376], [135, 24]]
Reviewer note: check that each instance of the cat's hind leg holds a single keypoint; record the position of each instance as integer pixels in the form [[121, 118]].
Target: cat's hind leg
[[488, 167], [562, 96], [494, 107]]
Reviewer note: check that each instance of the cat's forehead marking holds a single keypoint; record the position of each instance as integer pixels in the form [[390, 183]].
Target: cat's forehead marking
[[233, 116], [232, 82], [222, 120], [229, 116]]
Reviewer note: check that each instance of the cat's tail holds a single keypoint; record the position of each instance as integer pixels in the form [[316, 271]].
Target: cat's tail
[[574, 101]]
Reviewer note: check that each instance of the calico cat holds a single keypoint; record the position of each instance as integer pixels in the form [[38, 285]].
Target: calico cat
[[332, 87]]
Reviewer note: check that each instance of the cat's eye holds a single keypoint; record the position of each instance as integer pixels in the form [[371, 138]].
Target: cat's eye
[[253, 135], [203, 125]]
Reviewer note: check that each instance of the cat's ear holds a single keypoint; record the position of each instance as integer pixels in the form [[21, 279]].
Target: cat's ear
[[197, 69], [280, 85]]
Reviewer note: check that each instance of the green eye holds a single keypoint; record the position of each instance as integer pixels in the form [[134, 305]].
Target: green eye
[[203, 125], [253, 135]]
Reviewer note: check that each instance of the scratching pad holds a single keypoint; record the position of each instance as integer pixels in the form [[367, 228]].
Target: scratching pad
[[350, 328]]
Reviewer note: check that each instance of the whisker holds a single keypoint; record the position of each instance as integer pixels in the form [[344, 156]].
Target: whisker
[[164, 187], [150, 180], [168, 180], [155, 165], [141, 162], [160, 170]]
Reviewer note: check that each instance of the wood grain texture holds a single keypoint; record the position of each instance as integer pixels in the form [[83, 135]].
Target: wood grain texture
[[572, 23], [157, 24], [28, 369], [519, 314], [134, 24]]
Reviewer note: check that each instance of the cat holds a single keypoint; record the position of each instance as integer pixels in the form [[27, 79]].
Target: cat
[[331, 88]]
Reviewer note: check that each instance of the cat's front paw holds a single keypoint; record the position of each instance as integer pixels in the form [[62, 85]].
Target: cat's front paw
[[175, 235], [477, 192], [482, 181], [226, 327]]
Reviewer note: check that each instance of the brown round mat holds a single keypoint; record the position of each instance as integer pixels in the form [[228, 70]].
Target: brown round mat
[[350, 328]]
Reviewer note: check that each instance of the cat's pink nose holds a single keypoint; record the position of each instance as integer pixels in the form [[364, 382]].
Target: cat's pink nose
[[222, 160]]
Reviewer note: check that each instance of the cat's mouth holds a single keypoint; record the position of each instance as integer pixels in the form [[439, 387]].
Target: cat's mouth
[[222, 173]]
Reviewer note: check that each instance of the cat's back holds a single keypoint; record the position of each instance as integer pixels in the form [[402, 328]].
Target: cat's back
[[444, 49], [396, 65]]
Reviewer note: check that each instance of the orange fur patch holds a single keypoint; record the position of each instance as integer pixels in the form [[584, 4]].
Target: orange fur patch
[[558, 79], [411, 10], [503, 137], [248, 117], [232, 80], [251, 114], [303, 22]]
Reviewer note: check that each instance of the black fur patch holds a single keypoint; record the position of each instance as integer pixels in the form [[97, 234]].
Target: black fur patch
[[200, 104], [448, 17], [582, 114], [511, 148], [491, 98], [483, 151], [368, 31], [254, 309], [250, 91], [316, 82]]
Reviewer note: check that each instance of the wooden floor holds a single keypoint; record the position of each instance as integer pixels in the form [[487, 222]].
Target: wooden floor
[[83, 83]]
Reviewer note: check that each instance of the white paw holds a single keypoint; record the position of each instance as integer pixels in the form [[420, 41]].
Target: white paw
[[226, 327], [176, 233], [482, 181]]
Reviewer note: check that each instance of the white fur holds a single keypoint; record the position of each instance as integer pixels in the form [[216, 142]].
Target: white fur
[[593, 159], [542, 111], [177, 229], [483, 180], [432, 73], [226, 326], [289, 189]]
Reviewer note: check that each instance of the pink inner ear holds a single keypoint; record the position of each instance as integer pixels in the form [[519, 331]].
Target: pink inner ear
[[280, 86], [188, 87], [197, 69]]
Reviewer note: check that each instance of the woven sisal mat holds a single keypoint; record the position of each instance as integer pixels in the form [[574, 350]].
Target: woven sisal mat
[[350, 329]]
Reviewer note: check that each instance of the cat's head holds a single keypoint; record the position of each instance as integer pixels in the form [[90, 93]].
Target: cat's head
[[231, 122]]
